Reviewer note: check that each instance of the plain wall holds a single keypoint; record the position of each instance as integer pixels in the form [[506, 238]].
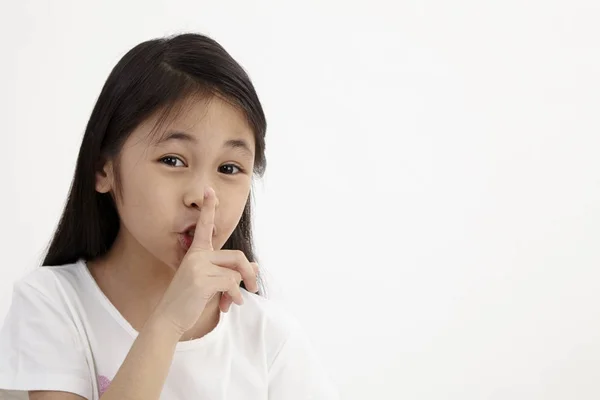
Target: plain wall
[[430, 210]]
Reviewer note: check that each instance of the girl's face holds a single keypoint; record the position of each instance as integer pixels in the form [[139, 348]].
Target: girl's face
[[164, 174]]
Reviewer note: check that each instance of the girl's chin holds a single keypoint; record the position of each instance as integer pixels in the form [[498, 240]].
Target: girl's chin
[[177, 259]]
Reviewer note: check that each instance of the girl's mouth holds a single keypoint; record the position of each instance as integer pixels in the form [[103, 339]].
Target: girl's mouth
[[186, 239]]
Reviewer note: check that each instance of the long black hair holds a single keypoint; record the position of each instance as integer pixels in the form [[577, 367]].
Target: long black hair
[[154, 76]]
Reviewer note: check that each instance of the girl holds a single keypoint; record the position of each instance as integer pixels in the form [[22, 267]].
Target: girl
[[154, 244]]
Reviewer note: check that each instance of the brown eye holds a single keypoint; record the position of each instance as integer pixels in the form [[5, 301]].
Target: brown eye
[[229, 169], [172, 161]]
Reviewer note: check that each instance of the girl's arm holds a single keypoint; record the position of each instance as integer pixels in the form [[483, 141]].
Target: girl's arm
[[144, 371]]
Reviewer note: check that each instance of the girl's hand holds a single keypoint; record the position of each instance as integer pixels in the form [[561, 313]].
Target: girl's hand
[[203, 273], [226, 300]]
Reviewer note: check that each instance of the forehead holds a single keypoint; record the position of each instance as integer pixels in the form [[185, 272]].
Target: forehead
[[207, 121]]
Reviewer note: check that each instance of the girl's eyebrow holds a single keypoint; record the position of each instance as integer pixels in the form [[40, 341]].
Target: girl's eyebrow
[[237, 144], [177, 135]]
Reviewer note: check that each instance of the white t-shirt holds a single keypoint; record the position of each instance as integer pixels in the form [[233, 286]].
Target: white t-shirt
[[63, 334]]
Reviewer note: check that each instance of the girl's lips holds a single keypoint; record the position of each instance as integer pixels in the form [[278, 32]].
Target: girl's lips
[[190, 229], [187, 236], [185, 240]]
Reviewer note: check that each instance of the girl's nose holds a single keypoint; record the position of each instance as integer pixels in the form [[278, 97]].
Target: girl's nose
[[194, 197]]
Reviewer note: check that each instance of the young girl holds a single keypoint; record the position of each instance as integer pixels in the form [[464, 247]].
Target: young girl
[[134, 299]]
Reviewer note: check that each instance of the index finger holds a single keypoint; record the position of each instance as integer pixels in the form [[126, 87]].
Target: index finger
[[206, 222]]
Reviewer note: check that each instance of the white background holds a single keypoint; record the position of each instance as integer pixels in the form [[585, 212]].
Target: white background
[[430, 210]]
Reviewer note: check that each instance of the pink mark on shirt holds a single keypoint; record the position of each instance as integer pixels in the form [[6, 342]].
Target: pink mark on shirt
[[103, 383]]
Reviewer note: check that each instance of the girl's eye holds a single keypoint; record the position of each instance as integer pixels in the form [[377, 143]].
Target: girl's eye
[[172, 161], [227, 168]]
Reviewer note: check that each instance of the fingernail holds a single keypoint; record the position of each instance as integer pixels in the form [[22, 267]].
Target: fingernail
[[207, 192]]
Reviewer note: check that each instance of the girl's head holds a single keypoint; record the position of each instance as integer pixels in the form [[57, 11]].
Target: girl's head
[[175, 115]]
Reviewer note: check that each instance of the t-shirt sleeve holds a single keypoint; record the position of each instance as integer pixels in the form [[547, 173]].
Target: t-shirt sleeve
[[296, 372], [40, 348]]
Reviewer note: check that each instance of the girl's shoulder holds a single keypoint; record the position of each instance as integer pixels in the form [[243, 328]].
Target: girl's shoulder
[[40, 333], [294, 366], [52, 282], [266, 320], [273, 313]]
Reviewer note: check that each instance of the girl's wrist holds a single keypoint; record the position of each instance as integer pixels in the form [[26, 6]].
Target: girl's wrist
[[163, 327]]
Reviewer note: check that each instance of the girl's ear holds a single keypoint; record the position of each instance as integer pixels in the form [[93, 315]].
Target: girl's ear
[[105, 177]]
